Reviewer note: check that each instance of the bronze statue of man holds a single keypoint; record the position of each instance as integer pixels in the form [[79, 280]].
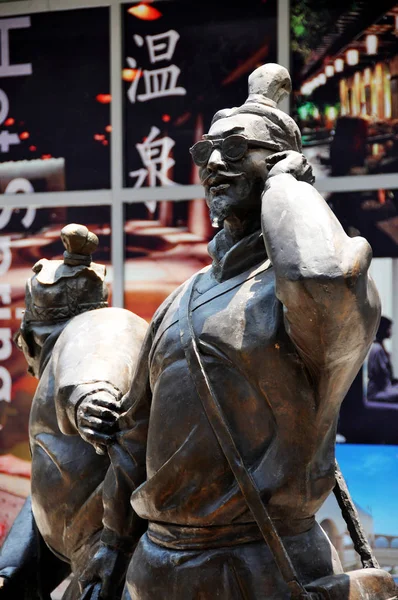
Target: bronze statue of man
[[242, 374], [84, 355]]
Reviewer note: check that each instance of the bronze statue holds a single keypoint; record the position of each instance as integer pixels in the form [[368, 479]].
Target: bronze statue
[[83, 354], [222, 450], [227, 451]]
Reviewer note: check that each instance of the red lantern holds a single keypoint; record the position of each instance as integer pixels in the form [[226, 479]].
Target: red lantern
[[104, 98], [145, 12]]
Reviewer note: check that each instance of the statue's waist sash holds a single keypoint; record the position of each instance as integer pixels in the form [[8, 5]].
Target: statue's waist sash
[[180, 537]]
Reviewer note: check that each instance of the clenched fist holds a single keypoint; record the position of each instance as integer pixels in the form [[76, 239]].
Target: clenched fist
[[97, 416]]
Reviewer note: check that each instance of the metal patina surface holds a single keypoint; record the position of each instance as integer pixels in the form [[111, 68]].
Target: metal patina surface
[[224, 449]]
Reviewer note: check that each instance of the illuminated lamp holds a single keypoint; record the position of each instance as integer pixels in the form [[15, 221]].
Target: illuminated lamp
[[307, 88], [329, 71], [371, 44], [331, 113], [99, 137], [130, 74], [322, 78], [303, 112], [145, 12], [24, 135], [312, 85], [108, 128], [339, 65], [9, 121], [352, 57], [103, 98]]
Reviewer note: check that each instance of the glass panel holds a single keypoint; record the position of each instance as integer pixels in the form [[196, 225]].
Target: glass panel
[[182, 63], [370, 472], [370, 409], [21, 246], [54, 102], [372, 214], [345, 71], [166, 243]]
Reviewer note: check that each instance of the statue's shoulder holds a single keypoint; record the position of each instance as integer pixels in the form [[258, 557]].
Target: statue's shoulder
[[170, 304], [108, 325], [111, 316]]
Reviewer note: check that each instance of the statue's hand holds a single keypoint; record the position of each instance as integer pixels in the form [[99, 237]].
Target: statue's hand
[[292, 163], [107, 567], [97, 416]]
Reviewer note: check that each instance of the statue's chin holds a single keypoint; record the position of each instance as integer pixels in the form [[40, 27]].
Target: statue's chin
[[224, 207], [220, 208]]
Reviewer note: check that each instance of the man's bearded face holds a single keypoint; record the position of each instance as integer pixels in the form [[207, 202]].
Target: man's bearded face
[[233, 187]]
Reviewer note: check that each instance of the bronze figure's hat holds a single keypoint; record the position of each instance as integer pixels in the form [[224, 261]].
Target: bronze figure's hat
[[61, 289], [268, 84]]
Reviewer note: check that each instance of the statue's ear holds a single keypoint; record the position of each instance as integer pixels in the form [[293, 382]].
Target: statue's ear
[[25, 342]]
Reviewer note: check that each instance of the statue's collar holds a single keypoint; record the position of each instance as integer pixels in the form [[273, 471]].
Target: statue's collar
[[246, 253]]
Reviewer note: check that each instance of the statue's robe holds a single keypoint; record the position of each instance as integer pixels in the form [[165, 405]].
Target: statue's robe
[[282, 344], [96, 350]]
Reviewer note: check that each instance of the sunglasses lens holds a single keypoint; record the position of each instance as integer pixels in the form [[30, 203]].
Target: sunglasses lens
[[201, 152], [234, 147]]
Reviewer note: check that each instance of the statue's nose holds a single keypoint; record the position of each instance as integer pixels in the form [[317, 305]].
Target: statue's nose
[[216, 161]]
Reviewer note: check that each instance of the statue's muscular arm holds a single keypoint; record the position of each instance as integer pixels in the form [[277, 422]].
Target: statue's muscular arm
[[95, 358], [122, 528], [330, 303]]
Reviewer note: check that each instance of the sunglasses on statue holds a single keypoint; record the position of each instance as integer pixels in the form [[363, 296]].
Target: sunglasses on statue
[[232, 148]]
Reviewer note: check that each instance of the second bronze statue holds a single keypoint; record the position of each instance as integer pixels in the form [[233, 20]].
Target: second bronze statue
[[84, 355]]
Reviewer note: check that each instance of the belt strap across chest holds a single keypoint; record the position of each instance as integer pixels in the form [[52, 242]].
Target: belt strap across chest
[[217, 420]]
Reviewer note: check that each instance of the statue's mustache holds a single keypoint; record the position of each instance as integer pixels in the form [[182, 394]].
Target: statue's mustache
[[220, 177]]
